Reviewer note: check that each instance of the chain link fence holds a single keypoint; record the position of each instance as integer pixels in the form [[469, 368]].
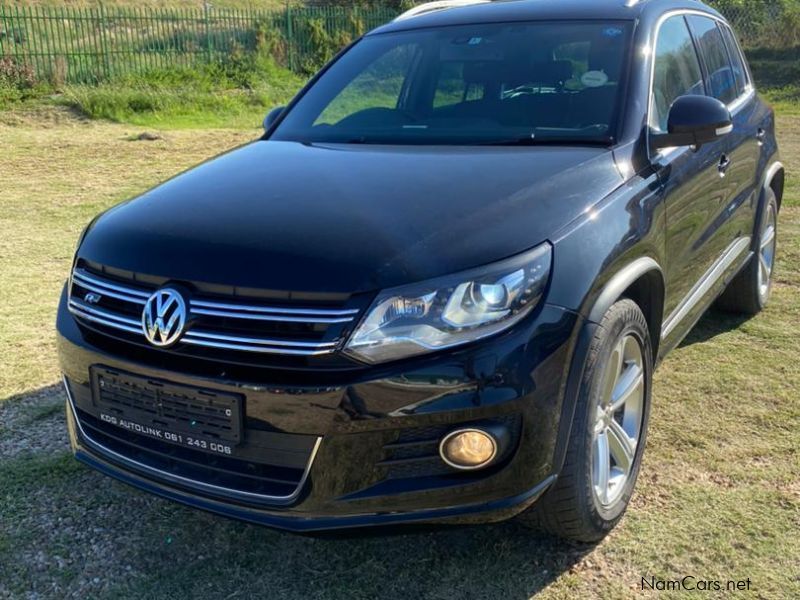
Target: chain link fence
[[89, 45], [764, 25]]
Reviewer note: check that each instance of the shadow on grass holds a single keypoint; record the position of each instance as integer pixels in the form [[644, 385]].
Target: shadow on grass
[[73, 531], [713, 323]]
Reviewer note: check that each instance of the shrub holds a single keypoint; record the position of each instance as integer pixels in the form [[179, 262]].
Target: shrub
[[17, 82]]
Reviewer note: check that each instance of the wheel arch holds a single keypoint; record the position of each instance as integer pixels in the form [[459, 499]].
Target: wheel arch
[[641, 281], [775, 179]]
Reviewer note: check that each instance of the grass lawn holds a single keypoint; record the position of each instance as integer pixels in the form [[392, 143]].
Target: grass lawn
[[718, 498]]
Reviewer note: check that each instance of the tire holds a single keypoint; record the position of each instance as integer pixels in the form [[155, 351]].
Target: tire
[[748, 292], [574, 508]]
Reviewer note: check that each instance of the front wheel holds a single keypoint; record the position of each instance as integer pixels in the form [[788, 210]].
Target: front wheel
[[608, 433]]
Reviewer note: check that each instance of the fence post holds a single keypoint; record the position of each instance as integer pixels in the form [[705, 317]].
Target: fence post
[[289, 36], [4, 30], [209, 49], [104, 41]]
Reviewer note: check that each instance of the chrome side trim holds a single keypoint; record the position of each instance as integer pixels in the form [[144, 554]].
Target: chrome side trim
[[706, 282], [164, 476]]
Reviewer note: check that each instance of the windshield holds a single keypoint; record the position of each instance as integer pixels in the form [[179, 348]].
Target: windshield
[[500, 83]]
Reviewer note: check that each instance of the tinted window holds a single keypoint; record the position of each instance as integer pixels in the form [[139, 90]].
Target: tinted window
[[456, 83], [676, 72], [739, 72], [720, 75], [377, 86], [500, 83]]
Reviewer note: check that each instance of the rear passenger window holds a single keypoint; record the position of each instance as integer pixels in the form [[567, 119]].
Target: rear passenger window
[[720, 74], [676, 72], [739, 71]]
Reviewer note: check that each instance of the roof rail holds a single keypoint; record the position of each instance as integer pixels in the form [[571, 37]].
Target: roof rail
[[438, 5]]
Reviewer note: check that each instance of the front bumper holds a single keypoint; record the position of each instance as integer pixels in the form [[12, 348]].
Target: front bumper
[[355, 416]]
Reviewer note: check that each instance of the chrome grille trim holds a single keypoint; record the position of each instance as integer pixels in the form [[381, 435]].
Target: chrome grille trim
[[102, 287], [249, 340], [93, 316], [188, 339], [274, 310], [203, 307], [266, 317]]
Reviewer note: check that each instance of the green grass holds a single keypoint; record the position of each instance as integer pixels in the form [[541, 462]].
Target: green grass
[[718, 497], [236, 93]]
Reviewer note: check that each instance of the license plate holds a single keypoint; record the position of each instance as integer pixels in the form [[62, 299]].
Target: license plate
[[198, 418]]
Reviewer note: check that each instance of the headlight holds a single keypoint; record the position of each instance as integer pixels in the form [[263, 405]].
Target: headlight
[[451, 310]]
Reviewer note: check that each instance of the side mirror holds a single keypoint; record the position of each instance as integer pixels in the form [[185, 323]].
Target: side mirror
[[272, 116], [693, 121]]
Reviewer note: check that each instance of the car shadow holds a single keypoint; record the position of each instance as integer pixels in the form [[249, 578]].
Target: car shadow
[[713, 323], [84, 534]]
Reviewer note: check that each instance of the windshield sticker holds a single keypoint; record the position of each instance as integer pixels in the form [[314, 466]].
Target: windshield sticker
[[592, 79], [612, 32]]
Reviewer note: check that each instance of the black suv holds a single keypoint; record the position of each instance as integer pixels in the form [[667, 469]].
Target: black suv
[[437, 287]]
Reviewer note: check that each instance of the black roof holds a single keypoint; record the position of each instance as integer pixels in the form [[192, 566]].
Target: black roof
[[532, 10]]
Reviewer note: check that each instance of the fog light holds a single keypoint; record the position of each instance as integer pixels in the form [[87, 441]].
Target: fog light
[[468, 448]]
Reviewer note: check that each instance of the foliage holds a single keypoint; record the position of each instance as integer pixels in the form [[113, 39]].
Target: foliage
[[17, 81], [231, 91]]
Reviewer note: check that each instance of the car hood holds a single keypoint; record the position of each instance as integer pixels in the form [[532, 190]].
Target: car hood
[[349, 218]]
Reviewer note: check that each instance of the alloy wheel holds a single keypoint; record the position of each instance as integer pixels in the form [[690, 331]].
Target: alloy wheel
[[618, 421], [766, 253]]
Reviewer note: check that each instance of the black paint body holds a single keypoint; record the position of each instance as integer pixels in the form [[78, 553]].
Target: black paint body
[[344, 221]]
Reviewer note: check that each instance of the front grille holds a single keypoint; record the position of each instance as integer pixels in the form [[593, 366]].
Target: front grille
[[217, 323]]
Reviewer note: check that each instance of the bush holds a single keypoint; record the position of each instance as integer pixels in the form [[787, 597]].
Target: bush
[[18, 82]]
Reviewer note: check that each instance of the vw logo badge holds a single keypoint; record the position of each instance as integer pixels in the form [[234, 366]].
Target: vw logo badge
[[164, 317]]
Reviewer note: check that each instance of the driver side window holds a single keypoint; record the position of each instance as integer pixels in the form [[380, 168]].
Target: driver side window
[[677, 70]]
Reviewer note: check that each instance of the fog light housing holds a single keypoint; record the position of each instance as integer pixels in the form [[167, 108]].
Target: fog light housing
[[468, 449]]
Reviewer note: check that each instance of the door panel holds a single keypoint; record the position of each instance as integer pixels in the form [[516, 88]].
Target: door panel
[[741, 146], [710, 191], [696, 198]]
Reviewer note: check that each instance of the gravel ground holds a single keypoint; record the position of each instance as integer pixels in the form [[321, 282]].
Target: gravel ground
[[59, 539], [48, 438]]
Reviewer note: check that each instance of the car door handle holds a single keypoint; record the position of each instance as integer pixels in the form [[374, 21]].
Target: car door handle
[[760, 135], [723, 164]]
